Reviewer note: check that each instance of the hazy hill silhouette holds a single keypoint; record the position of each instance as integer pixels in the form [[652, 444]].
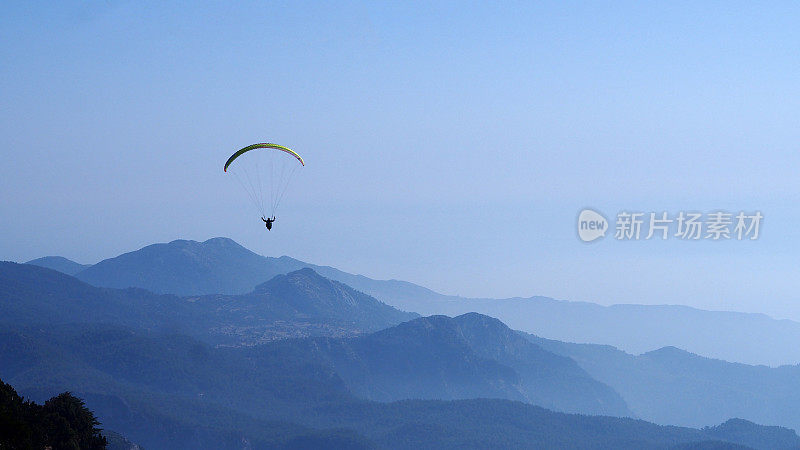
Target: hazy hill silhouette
[[642, 328], [60, 264], [673, 386]]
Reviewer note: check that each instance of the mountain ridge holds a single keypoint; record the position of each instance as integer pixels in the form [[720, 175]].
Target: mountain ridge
[[220, 265], [37, 295]]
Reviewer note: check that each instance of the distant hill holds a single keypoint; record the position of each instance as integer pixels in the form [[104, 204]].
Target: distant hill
[[60, 264], [312, 295], [470, 356], [33, 295], [221, 266], [216, 266], [299, 304], [752, 435], [673, 386], [731, 336]]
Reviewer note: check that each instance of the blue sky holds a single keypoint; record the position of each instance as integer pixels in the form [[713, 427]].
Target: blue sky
[[448, 144]]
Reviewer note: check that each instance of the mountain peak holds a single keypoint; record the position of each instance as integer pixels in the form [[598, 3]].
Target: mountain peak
[[222, 242], [465, 323], [58, 263], [745, 431], [184, 267], [310, 294], [306, 275], [212, 242], [307, 272], [481, 320], [669, 352]]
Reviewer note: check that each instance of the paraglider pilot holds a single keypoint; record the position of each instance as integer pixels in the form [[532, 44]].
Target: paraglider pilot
[[268, 222]]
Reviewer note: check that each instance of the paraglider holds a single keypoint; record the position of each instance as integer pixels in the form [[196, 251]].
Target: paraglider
[[268, 222], [264, 170]]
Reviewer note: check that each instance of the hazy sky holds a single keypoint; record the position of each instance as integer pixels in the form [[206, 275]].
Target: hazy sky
[[451, 145]]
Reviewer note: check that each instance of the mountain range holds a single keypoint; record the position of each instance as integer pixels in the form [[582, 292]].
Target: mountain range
[[436, 357], [205, 372], [143, 360], [221, 266], [298, 304]]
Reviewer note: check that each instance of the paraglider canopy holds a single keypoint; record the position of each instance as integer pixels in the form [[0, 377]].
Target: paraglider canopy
[[262, 145], [264, 170]]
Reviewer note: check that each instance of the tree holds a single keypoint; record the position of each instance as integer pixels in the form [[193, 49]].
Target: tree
[[63, 422]]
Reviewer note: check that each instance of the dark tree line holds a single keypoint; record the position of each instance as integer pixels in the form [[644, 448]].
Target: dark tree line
[[63, 422]]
